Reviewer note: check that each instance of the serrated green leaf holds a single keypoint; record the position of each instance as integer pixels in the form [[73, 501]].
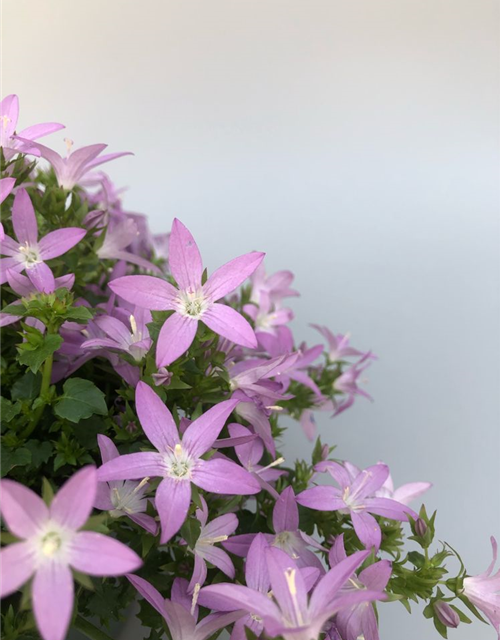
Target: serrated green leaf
[[8, 409], [27, 387], [81, 399], [13, 458], [33, 358]]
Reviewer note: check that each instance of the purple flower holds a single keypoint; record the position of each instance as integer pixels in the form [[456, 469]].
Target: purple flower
[[181, 612], [483, 591], [291, 613], [179, 462], [359, 620], [192, 301], [404, 494], [9, 115], [287, 535], [131, 337], [6, 186], [123, 498], [218, 530], [51, 545], [29, 253], [338, 345], [71, 169], [275, 287], [347, 383], [353, 497], [119, 236]]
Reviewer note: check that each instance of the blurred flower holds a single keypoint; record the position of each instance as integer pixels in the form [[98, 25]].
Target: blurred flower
[[483, 590]]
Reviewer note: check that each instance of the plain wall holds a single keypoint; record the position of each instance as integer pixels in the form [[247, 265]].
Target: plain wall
[[356, 142]]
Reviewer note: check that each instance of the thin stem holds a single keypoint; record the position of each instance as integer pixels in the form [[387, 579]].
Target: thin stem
[[89, 630], [44, 389]]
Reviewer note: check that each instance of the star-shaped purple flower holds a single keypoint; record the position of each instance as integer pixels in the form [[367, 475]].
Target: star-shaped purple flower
[[179, 462], [29, 253], [191, 301]]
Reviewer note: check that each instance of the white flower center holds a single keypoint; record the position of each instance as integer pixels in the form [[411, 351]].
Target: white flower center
[[179, 463], [192, 304], [128, 497], [30, 254], [51, 542]]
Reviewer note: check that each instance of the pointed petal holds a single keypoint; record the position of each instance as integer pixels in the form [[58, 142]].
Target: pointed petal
[[256, 573], [184, 257], [228, 277], [376, 576], [107, 158], [23, 218], [40, 130], [57, 242], [329, 585], [367, 529], [239, 597], [9, 107], [17, 564], [22, 510], [172, 500], [224, 476], [73, 502], [107, 448], [286, 512], [98, 555], [41, 277], [287, 585], [337, 552], [9, 264], [155, 418], [52, 599], [51, 156], [133, 466], [6, 186], [149, 593], [175, 338], [145, 291], [224, 525], [249, 454], [259, 421], [199, 573], [220, 559], [388, 508], [369, 480], [146, 522], [239, 545], [230, 324], [9, 247], [180, 622], [411, 491], [321, 498], [338, 472], [200, 435]]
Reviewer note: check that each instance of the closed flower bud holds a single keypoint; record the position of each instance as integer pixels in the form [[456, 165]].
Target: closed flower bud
[[420, 527], [446, 614]]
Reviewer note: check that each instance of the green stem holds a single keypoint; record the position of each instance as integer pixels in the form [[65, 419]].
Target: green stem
[[89, 630], [44, 389]]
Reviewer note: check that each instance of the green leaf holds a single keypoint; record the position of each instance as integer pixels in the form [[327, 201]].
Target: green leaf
[[79, 314], [190, 531], [8, 409], [13, 458], [40, 452], [34, 356], [27, 387], [84, 580], [81, 399]]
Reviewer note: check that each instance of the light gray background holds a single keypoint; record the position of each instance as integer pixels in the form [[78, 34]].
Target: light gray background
[[356, 142]]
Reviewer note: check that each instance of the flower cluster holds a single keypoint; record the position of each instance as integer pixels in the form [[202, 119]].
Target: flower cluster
[[141, 401]]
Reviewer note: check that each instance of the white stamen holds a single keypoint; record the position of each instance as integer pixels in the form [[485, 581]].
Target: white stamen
[[195, 597], [273, 464]]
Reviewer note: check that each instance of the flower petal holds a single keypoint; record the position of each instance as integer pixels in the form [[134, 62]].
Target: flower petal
[[73, 503], [286, 512], [287, 585], [145, 291], [184, 257], [6, 186], [17, 564], [224, 525], [172, 500], [238, 597], [175, 338], [52, 599], [155, 418], [411, 491], [40, 130], [256, 573], [133, 466], [388, 508], [98, 555], [23, 218], [149, 593], [41, 277], [199, 573], [200, 435], [367, 529], [57, 242], [230, 324], [321, 498], [376, 576], [224, 476], [22, 510], [369, 480], [228, 277]]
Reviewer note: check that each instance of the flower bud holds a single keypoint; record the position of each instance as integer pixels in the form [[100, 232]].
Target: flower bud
[[446, 614], [420, 527], [163, 377]]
